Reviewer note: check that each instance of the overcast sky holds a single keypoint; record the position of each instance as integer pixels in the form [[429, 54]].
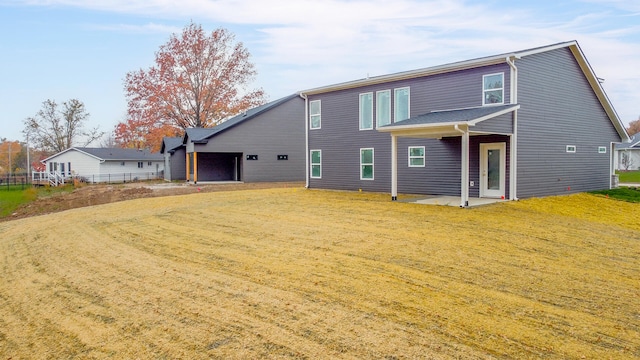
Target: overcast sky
[[64, 49]]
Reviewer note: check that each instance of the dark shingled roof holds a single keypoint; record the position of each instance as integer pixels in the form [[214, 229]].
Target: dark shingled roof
[[203, 134], [452, 116], [121, 154], [634, 144], [170, 143]]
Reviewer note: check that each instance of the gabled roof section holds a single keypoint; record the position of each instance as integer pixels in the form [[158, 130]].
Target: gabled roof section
[[634, 143], [110, 154], [170, 144], [202, 135], [491, 60], [122, 154]]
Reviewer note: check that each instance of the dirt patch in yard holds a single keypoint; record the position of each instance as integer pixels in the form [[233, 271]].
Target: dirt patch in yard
[[89, 195]]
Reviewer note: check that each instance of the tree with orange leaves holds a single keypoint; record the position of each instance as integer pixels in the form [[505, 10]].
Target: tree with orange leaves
[[634, 127], [198, 80]]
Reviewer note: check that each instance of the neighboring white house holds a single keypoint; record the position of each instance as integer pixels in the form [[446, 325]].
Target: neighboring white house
[[103, 165], [628, 154]]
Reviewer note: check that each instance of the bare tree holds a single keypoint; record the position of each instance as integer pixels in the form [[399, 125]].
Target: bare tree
[[55, 130], [626, 161]]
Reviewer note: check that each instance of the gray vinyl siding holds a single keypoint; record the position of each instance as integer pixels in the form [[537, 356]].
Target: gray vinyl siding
[[340, 139], [278, 131], [559, 108], [177, 168], [502, 124]]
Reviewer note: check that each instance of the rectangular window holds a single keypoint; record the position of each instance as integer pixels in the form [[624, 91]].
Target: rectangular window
[[140, 164], [383, 107], [69, 168], [314, 114], [602, 149], [571, 148], [62, 168], [366, 111], [416, 156], [401, 104], [149, 163], [366, 164], [316, 164], [493, 89], [122, 163]]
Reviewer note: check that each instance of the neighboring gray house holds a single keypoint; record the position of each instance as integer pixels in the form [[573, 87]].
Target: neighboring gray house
[[102, 165], [523, 124], [628, 154], [266, 143], [174, 158]]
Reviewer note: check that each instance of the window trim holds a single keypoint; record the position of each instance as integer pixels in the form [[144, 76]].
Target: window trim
[[395, 103], [311, 164], [572, 149], [378, 110], [360, 97], [410, 157], [487, 90], [319, 115], [372, 164], [602, 149]]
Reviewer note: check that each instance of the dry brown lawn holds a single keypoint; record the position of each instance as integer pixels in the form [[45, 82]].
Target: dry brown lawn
[[294, 273]]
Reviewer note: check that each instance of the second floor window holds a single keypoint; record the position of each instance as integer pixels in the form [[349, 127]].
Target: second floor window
[[401, 104], [314, 114], [140, 164], [366, 111], [383, 107], [493, 89]]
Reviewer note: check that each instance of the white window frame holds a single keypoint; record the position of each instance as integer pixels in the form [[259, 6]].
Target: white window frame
[[572, 149], [372, 164], [312, 164], [318, 115], [379, 111], [395, 103], [411, 157], [602, 149], [484, 91], [360, 106]]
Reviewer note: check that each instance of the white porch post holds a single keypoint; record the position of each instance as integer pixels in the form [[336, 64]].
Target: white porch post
[[394, 167], [464, 170]]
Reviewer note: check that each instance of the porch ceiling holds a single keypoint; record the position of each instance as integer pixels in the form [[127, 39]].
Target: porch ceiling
[[438, 124]]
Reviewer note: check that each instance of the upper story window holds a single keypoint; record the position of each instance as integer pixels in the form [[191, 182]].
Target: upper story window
[[493, 89], [314, 114], [366, 111], [140, 164], [383, 107], [401, 102]]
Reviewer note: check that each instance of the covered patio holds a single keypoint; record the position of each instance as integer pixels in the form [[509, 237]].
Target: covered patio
[[493, 174]]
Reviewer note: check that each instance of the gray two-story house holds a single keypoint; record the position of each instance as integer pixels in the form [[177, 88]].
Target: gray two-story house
[[523, 124]]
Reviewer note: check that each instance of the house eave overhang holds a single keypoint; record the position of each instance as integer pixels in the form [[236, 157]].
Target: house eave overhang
[[68, 150], [599, 92]]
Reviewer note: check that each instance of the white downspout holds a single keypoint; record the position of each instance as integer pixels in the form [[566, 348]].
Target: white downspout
[[394, 167], [464, 168], [306, 139], [513, 166]]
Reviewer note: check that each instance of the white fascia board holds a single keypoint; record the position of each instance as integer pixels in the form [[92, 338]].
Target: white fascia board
[[67, 150], [599, 91]]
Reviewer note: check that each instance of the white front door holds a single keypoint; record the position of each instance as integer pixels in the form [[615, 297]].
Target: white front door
[[492, 169]]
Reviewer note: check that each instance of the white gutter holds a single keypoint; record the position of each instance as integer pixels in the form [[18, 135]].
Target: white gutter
[[306, 138], [513, 166]]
